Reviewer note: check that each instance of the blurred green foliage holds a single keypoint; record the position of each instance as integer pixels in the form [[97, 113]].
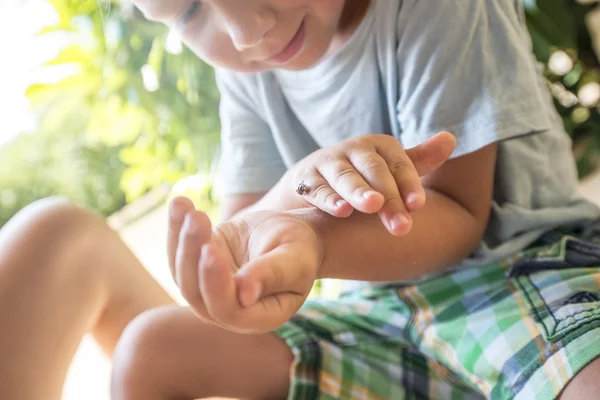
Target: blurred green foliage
[[141, 111], [109, 133], [562, 41]]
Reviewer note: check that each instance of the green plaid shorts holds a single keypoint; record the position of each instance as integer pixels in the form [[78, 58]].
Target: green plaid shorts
[[518, 329]]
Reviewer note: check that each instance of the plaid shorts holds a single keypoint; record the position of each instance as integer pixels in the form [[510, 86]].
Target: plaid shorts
[[518, 329]]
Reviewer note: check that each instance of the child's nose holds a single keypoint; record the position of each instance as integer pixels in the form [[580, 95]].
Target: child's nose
[[247, 22]]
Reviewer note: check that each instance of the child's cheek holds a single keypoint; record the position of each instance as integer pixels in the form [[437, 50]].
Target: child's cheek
[[214, 46]]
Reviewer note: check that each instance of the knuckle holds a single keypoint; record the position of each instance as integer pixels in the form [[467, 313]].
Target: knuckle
[[400, 165], [363, 142], [392, 141], [303, 173], [371, 137], [388, 140], [344, 173], [352, 142], [372, 162], [328, 196], [359, 141], [321, 192], [278, 278]]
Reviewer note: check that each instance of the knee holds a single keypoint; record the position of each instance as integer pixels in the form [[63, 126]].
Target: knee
[[47, 208], [141, 355], [48, 229], [49, 218]]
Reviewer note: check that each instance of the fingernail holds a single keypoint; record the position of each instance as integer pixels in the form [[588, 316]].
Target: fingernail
[[257, 293], [413, 198], [369, 193], [252, 296], [340, 203], [399, 220]]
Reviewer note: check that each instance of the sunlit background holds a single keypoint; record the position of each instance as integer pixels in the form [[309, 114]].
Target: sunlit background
[[99, 105], [22, 53]]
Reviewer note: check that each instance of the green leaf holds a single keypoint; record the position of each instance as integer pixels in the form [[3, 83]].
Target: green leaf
[[71, 54]]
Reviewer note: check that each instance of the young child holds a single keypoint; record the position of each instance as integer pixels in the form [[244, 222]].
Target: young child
[[478, 280]]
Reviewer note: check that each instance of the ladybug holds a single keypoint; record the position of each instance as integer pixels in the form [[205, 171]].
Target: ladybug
[[302, 189]]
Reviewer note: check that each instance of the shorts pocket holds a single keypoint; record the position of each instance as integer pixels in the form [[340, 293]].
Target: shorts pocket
[[560, 284]]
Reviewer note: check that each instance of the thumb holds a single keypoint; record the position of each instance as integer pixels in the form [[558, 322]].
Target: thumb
[[273, 273], [433, 153]]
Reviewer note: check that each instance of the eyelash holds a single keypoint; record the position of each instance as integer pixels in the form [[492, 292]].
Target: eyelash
[[190, 13]]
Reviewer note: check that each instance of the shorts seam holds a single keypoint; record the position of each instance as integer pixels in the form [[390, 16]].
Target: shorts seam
[[576, 370], [551, 334], [532, 306], [410, 324], [539, 293]]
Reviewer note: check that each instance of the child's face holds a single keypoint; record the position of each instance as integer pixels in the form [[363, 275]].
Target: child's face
[[257, 35]]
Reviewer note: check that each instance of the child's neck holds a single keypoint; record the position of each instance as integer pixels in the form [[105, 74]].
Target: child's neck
[[352, 15]]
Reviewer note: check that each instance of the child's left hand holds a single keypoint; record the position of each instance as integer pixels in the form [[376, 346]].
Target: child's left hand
[[247, 276], [370, 174]]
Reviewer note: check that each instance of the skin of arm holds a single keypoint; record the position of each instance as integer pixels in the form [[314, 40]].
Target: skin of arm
[[445, 231], [234, 204]]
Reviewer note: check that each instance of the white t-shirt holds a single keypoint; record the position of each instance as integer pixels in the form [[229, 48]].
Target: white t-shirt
[[412, 69]]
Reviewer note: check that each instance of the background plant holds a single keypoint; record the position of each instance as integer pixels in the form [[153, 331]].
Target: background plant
[[140, 110]]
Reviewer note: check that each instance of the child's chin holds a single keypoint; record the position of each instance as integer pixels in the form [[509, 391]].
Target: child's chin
[[302, 62]]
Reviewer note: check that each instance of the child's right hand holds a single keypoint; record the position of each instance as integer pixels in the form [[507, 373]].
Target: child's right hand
[[372, 174]]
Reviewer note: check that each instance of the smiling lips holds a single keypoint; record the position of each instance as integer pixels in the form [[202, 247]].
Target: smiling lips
[[292, 48]]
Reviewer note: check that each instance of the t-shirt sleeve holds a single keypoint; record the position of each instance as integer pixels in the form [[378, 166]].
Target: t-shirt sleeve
[[249, 161], [465, 66]]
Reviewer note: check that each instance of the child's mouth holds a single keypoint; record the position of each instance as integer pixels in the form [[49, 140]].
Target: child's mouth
[[293, 47]]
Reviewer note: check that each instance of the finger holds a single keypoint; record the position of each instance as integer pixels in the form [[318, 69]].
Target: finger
[[178, 208], [425, 158], [196, 232], [272, 290], [433, 153], [271, 274], [218, 287], [375, 169], [405, 175], [346, 181], [318, 192]]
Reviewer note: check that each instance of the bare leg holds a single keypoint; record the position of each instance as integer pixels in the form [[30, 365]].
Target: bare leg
[[63, 273], [168, 354], [585, 385]]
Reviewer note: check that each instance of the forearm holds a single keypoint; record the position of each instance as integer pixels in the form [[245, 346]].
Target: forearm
[[280, 198], [360, 248]]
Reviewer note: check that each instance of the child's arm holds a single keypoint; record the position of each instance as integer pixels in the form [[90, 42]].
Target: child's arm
[[445, 231], [375, 165], [234, 204], [252, 273]]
